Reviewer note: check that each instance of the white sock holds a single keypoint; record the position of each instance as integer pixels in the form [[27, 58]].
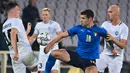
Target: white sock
[[34, 72]]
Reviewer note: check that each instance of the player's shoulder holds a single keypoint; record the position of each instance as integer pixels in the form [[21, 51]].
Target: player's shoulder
[[54, 22], [106, 22], [39, 24], [12, 21], [123, 25], [16, 19], [97, 27], [78, 26]]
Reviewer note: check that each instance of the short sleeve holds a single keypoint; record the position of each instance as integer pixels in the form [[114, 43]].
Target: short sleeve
[[72, 31], [124, 33], [103, 32], [36, 29], [103, 25], [58, 28], [16, 24], [100, 31]]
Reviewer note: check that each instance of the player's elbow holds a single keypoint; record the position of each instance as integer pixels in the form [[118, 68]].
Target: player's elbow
[[123, 46]]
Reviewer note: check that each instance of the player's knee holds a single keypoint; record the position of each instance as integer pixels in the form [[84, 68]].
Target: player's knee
[[100, 72], [54, 53], [41, 71], [34, 69], [91, 69], [54, 71]]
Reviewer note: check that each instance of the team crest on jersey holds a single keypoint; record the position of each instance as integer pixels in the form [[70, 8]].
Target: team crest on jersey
[[116, 33]]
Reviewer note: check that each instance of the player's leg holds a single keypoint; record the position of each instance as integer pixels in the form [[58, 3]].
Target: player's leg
[[89, 66], [55, 68], [91, 69], [33, 64], [115, 65], [34, 69], [31, 61], [54, 71], [18, 66], [60, 54], [42, 61], [40, 64], [69, 57], [101, 63]]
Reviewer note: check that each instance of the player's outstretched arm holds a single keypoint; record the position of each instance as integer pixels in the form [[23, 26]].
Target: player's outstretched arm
[[13, 35], [57, 39], [28, 28], [32, 38]]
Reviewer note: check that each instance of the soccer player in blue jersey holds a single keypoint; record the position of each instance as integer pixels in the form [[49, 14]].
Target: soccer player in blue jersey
[[87, 50]]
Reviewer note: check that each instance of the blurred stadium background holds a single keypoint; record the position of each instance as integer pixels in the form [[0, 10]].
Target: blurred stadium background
[[66, 13]]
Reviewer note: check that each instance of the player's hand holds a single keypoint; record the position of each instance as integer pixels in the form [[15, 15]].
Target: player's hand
[[109, 37], [46, 50], [29, 25], [115, 52], [16, 57]]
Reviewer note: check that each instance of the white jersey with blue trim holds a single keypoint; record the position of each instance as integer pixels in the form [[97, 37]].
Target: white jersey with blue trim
[[119, 32], [23, 45]]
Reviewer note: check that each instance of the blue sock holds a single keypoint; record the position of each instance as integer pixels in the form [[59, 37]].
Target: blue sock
[[49, 64]]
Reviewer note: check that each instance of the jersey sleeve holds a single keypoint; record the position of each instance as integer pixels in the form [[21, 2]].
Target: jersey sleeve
[[124, 33], [36, 29], [103, 32], [103, 25], [72, 31], [16, 24], [58, 28]]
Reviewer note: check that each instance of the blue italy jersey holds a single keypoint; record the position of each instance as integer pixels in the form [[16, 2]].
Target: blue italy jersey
[[88, 40]]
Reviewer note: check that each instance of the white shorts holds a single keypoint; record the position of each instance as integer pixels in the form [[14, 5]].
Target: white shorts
[[114, 63], [43, 59], [29, 61]]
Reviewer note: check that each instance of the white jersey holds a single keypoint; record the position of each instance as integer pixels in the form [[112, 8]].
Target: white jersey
[[22, 41], [119, 32], [51, 28]]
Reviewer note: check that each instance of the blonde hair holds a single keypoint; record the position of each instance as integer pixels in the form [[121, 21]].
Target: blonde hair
[[46, 9]]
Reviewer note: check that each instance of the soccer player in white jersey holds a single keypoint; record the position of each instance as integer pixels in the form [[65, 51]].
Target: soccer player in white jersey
[[53, 29], [21, 53], [113, 57]]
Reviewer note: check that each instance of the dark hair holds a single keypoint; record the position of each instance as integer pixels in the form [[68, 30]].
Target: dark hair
[[88, 12], [11, 5]]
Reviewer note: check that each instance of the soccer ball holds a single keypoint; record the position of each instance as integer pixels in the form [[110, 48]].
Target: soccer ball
[[43, 39]]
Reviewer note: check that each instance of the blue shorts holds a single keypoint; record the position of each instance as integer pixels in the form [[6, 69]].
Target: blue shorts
[[77, 61]]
